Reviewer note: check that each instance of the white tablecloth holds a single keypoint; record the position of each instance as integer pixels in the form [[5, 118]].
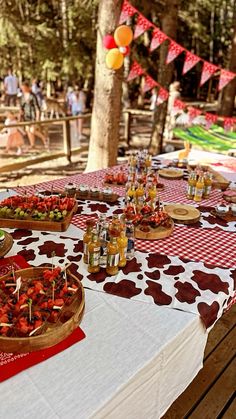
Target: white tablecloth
[[135, 361]]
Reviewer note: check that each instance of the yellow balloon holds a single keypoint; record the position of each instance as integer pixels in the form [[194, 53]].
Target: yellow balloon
[[114, 59], [123, 36]]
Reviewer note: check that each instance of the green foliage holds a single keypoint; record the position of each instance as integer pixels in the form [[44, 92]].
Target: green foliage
[[48, 39]]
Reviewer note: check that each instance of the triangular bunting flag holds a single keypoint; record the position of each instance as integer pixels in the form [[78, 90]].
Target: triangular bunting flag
[[228, 123], [193, 113], [127, 11], [179, 105], [136, 70], [210, 119], [142, 25], [190, 61], [149, 84], [157, 38], [173, 51], [225, 78], [208, 70], [163, 95]]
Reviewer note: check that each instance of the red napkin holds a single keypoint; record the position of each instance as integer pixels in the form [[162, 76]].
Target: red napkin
[[11, 364], [18, 262]]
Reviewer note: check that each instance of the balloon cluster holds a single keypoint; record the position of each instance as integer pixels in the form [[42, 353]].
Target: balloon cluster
[[118, 46]]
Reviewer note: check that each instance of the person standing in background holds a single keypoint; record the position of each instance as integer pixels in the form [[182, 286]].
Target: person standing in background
[[36, 89], [78, 105], [30, 111], [11, 87]]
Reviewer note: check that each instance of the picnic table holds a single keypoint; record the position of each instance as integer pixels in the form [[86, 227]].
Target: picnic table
[[146, 329]]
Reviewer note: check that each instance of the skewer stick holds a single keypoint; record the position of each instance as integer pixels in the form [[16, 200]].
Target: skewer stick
[[30, 309], [53, 290], [66, 266]]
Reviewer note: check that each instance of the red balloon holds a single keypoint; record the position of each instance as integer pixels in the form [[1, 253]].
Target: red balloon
[[109, 42], [125, 50]]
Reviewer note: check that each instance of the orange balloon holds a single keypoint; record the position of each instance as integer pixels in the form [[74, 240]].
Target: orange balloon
[[123, 36], [114, 59]]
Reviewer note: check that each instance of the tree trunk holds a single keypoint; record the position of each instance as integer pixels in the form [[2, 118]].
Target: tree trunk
[[165, 73], [104, 138], [64, 19], [229, 93]]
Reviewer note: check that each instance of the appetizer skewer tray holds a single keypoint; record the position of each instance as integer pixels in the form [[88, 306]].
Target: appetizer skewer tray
[[51, 321]]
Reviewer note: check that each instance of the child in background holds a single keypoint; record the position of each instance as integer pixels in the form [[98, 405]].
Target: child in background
[[15, 137]]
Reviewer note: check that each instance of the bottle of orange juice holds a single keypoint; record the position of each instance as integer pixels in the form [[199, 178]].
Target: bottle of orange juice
[[207, 185], [191, 185], [113, 255], [87, 238], [94, 253], [199, 189], [139, 191], [122, 242]]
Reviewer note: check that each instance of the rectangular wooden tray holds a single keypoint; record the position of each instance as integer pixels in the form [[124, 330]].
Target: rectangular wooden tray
[[84, 197], [32, 224]]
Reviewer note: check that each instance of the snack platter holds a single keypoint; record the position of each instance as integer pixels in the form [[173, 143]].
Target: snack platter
[[150, 224], [80, 196], [37, 213], [56, 309]]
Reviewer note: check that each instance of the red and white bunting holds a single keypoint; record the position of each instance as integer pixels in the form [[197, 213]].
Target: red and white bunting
[[158, 37], [225, 78], [190, 61], [142, 25], [179, 105], [193, 113], [163, 95], [149, 84], [173, 51], [136, 70], [229, 123], [210, 119], [208, 70], [127, 11]]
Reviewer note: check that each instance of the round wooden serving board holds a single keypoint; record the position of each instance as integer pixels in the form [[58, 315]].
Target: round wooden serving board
[[171, 173], [52, 333], [184, 214], [154, 233], [7, 245]]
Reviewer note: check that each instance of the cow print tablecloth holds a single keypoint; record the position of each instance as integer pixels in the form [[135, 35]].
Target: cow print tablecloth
[[164, 280]]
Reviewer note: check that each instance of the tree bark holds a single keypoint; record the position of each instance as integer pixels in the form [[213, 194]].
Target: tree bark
[[165, 73], [103, 146], [229, 93]]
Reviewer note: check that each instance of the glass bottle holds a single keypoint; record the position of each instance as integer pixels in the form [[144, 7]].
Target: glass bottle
[[199, 189], [122, 245], [191, 185], [103, 236], [131, 240], [94, 250], [207, 185], [100, 222], [87, 237], [113, 256]]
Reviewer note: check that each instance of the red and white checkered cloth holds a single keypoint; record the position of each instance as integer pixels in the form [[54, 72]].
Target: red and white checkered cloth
[[211, 246], [174, 191], [191, 243]]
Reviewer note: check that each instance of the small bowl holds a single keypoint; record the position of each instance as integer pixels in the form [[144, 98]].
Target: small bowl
[[222, 209]]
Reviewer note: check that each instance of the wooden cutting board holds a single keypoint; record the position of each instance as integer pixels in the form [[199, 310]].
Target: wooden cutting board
[[182, 213], [171, 173], [154, 233]]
